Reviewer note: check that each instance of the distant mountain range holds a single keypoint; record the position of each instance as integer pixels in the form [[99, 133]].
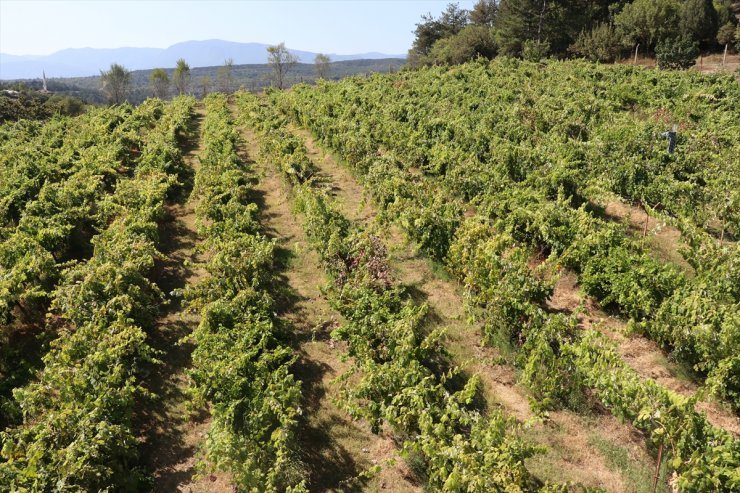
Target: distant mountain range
[[80, 62]]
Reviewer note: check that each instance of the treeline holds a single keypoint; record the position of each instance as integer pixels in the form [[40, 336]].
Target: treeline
[[599, 30], [205, 80], [20, 101]]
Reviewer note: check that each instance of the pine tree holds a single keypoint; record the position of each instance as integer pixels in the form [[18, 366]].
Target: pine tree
[[699, 21], [484, 13]]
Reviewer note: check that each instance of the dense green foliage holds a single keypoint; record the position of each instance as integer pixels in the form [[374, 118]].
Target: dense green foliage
[[526, 154], [76, 432], [599, 44], [240, 365]]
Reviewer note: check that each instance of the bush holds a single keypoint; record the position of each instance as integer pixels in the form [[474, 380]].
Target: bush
[[25, 103], [678, 53], [600, 44], [65, 105], [534, 50]]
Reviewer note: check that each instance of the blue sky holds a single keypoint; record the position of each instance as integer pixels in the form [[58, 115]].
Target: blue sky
[[341, 26]]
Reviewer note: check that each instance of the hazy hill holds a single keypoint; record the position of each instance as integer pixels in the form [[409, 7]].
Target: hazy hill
[[77, 62]]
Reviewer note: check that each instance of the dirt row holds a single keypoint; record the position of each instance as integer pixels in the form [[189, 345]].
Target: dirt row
[[594, 450], [172, 428], [339, 453]]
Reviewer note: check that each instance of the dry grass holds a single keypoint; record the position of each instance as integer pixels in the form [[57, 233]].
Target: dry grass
[[662, 240], [705, 63], [335, 449]]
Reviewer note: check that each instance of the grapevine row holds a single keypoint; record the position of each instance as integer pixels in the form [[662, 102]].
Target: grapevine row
[[53, 202], [71, 165], [536, 186], [241, 367], [77, 432], [35, 155]]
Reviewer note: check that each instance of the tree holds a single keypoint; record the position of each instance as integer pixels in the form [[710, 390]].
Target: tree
[[281, 61], [430, 30], [699, 21], [725, 12], [205, 85], [321, 63], [726, 34], [551, 24], [648, 21], [160, 82], [454, 19], [484, 13], [181, 76], [223, 76], [470, 43], [116, 82]]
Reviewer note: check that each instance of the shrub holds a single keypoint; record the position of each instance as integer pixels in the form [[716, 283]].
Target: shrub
[[678, 53], [534, 50], [469, 44], [600, 44]]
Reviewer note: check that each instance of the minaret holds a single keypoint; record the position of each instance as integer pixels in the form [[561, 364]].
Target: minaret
[[44, 89]]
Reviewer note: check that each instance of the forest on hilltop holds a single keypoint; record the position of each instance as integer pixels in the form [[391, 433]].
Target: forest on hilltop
[[599, 30]]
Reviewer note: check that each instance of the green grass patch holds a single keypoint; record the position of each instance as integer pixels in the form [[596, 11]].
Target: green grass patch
[[638, 477]]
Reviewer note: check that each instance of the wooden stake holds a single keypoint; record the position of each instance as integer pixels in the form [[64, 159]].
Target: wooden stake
[[647, 220], [657, 468], [636, 48], [724, 57]]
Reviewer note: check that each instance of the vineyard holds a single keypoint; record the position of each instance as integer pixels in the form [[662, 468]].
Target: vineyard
[[500, 276]]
